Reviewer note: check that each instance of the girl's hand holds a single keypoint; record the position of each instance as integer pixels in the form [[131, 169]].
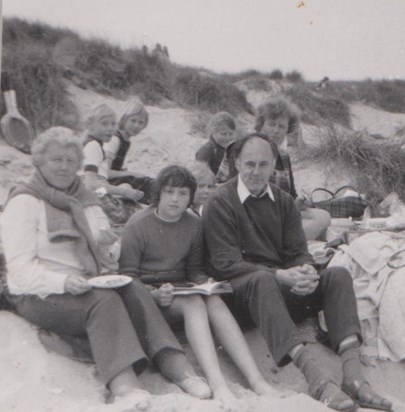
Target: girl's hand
[[76, 285], [201, 278], [164, 295]]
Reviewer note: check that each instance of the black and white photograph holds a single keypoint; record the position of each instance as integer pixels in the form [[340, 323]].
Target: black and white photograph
[[202, 205]]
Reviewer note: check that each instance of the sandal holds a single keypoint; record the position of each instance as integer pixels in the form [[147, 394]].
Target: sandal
[[369, 399], [331, 395]]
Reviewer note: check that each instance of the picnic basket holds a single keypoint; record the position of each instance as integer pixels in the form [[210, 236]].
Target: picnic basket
[[340, 205]]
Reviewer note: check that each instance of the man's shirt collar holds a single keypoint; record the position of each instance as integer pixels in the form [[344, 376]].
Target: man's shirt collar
[[244, 193]]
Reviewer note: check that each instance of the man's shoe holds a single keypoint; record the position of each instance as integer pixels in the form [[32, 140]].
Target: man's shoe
[[362, 393]]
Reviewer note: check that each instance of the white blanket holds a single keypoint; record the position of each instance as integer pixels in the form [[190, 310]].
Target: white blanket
[[380, 291]]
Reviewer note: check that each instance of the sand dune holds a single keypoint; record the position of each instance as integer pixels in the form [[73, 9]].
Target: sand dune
[[35, 380]]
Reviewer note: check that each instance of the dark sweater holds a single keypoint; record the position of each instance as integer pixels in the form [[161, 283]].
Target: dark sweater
[[118, 162], [211, 153], [259, 234], [159, 251]]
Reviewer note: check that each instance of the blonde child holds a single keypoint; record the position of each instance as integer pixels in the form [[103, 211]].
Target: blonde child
[[133, 120], [163, 245], [101, 124], [205, 185], [221, 131]]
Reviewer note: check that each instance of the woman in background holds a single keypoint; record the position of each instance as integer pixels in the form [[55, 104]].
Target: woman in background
[[277, 118]]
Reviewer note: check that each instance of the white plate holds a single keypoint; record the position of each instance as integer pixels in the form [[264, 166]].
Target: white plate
[[109, 281]]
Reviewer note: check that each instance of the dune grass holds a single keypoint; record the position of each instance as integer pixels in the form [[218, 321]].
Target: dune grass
[[376, 165], [209, 93], [41, 58], [388, 95], [317, 108]]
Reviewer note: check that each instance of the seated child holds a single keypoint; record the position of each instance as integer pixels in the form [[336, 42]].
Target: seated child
[[221, 132], [101, 123], [205, 185], [133, 120], [277, 118], [163, 245]]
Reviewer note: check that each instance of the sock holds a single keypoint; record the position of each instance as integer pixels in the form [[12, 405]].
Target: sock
[[315, 375], [351, 365]]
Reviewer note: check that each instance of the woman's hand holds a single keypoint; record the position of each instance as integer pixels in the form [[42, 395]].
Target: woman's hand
[[76, 285], [164, 295]]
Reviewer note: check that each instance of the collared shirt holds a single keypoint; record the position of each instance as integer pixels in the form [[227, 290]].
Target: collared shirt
[[244, 193]]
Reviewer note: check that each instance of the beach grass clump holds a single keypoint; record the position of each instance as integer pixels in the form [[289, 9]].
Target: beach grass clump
[[376, 165], [388, 95], [41, 94], [317, 108], [210, 93], [276, 74], [294, 76]]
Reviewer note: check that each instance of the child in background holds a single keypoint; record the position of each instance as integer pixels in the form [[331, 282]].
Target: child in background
[[205, 185], [133, 120], [163, 245], [277, 118], [101, 124], [221, 131]]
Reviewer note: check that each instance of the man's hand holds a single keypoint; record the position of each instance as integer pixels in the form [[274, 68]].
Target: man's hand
[[76, 285], [302, 280], [164, 295]]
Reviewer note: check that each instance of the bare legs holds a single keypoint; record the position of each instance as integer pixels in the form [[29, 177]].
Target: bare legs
[[193, 311], [175, 367], [231, 337], [315, 222], [197, 318]]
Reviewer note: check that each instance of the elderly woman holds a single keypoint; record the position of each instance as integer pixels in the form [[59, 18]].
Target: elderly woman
[[54, 233]]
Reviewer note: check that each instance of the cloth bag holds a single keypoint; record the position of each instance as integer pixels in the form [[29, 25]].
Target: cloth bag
[[340, 205]]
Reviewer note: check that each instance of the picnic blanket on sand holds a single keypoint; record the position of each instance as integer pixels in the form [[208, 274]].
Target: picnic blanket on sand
[[380, 291]]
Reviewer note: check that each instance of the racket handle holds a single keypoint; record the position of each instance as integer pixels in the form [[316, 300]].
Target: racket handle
[[11, 102], [5, 82]]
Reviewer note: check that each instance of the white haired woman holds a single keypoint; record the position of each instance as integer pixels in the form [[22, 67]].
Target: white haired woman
[[53, 232]]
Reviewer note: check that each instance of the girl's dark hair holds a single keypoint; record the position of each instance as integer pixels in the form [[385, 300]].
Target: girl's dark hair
[[275, 108], [174, 176], [239, 144]]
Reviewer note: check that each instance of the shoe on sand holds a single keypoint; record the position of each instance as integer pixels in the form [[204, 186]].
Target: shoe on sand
[[195, 386], [362, 393], [331, 395]]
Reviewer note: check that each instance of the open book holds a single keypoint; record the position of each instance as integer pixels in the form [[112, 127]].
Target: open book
[[207, 288]]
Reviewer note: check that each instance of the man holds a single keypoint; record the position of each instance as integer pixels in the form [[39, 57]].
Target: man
[[255, 239]]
